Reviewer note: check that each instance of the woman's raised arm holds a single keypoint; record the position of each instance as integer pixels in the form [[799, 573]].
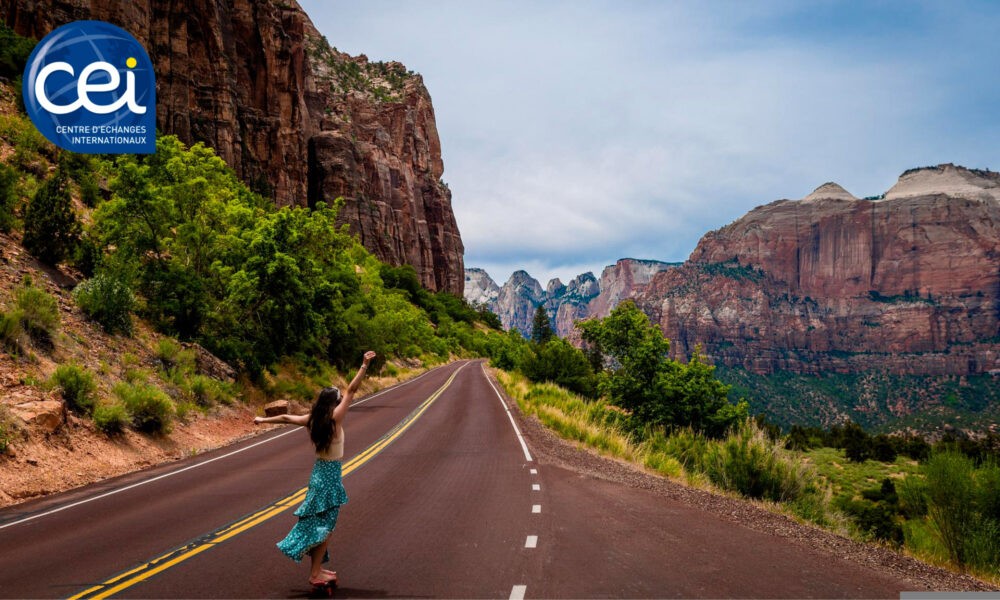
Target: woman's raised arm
[[345, 403]]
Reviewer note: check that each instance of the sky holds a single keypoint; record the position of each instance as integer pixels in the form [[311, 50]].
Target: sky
[[575, 133]]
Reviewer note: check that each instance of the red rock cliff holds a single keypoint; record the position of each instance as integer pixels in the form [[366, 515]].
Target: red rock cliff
[[910, 282], [296, 119]]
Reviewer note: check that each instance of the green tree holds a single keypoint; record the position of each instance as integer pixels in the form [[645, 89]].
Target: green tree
[[541, 327], [14, 52], [658, 391], [51, 229], [561, 363]]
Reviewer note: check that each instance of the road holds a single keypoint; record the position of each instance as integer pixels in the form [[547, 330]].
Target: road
[[446, 501]]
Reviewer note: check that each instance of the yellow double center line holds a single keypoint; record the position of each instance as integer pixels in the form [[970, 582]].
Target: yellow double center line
[[174, 557]]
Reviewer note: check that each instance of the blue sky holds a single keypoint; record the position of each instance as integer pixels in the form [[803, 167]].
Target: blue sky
[[575, 133]]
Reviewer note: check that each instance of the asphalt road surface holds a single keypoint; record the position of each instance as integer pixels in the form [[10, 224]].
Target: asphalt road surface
[[446, 501]]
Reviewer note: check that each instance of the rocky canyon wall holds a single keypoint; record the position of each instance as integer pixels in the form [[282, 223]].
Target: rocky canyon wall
[[297, 120], [908, 283]]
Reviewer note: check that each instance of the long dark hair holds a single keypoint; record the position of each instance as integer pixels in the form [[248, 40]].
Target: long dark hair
[[321, 423]]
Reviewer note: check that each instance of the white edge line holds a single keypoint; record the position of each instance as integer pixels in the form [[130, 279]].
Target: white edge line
[[203, 463], [518, 592], [520, 438], [144, 482]]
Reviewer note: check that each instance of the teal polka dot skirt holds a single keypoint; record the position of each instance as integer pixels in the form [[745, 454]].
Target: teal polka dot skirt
[[318, 512]]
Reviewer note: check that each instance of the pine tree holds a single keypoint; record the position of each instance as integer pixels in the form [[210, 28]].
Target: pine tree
[[541, 327], [51, 230]]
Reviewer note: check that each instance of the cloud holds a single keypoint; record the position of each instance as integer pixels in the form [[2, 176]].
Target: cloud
[[576, 133]]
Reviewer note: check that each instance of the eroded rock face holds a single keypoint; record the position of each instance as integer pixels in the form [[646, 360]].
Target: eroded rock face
[[480, 289], [297, 120], [583, 298], [517, 301], [909, 283]]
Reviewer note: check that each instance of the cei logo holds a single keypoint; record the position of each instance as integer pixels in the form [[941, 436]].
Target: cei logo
[[89, 87]]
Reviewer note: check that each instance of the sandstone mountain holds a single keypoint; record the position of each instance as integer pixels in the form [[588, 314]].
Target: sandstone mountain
[[584, 297], [480, 289], [908, 283], [296, 119]]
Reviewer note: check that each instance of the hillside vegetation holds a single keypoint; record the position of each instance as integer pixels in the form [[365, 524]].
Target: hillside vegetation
[[139, 293]]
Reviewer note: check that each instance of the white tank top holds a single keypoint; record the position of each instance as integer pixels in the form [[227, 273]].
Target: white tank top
[[336, 449]]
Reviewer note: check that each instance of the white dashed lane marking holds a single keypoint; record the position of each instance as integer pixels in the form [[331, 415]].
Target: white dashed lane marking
[[535, 509], [517, 593], [535, 487], [531, 542]]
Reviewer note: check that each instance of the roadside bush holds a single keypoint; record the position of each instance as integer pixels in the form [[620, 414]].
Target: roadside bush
[[561, 363], [748, 462], [77, 386], [107, 299], [949, 500], [149, 408], [111, 418], [875, 513], [686, 446]]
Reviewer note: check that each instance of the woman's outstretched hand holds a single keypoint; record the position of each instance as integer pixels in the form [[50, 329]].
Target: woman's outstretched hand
[[369, 356]]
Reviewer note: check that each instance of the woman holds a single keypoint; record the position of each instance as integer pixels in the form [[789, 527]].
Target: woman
[[318, 512]]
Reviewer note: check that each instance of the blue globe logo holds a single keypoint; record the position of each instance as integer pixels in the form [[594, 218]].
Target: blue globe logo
[[89, 87]]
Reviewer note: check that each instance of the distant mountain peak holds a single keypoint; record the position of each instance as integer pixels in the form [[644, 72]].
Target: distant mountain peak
[[947, 179], [582, 298], [829, 191]]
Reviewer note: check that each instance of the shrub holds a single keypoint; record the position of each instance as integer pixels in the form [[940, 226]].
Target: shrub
[[111, 418], [11, 332], [950, 495], [107, 299], [748, 462], [7, 430], [39, 312], [77, 386], [875, 513], [149, 408], [167, 351], [51, 230], [207, 391]]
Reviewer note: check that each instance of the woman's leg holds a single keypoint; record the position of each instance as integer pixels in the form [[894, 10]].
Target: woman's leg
[[316, 555]]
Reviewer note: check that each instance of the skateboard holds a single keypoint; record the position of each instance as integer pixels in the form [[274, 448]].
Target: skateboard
[[326, 588]]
